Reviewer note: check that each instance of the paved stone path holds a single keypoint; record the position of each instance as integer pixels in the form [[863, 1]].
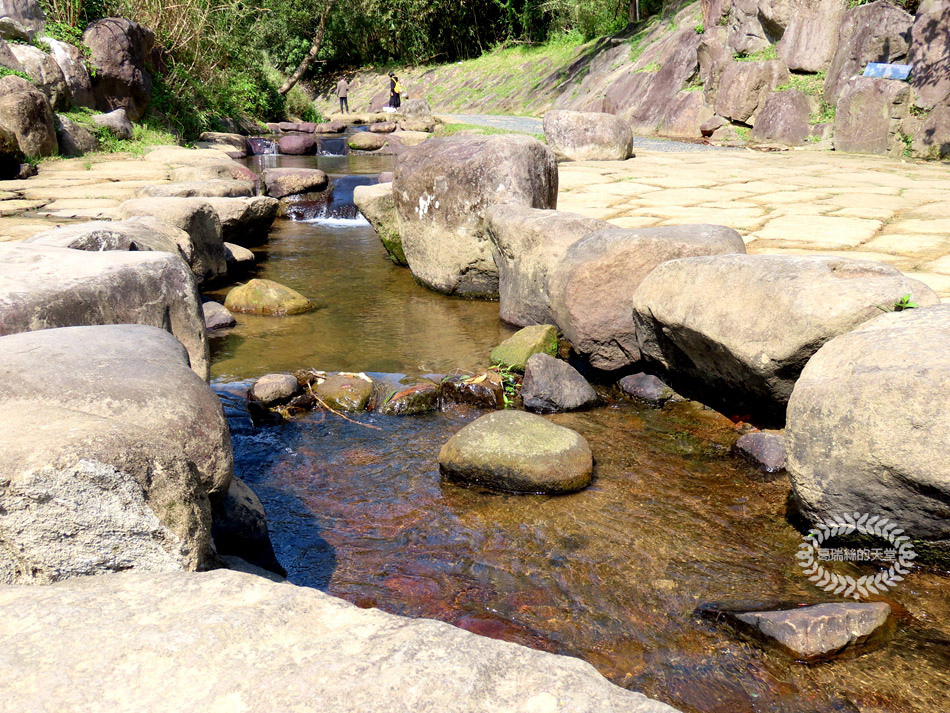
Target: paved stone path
[[795, 202]]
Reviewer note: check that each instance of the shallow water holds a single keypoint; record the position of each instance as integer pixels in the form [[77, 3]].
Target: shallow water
[[612, 574]]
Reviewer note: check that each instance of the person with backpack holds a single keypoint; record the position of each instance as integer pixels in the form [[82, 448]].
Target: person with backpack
[[395, 92]]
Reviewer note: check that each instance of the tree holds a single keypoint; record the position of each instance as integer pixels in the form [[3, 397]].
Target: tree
[[314, 50]]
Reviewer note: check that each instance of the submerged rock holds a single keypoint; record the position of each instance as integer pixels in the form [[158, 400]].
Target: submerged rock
[[217, 316], [588, 136], [345, 391], [647, 388], [239, 528], [514, 352], [113, 446], [764, 450], [482, 390], [813, 633], [414, 399], [554, 385], [271, 647], [518, 452], [267, 297]]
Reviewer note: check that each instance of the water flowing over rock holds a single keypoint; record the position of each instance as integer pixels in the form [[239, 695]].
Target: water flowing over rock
[[26, 112], [865, 436], [588, 136], [267, 297], [43, 287], [119, 49], [592, 285], [709, 322], [378, 206], [442, 190], [554, 385], [307, 649], [514, 451], [869, 115], [527, 243], [106, 474]]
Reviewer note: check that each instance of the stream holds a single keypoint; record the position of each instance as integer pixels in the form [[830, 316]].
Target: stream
[[612, 574]]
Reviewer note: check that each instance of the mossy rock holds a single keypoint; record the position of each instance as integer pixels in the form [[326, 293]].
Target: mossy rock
[[345, 392], [514, 352], [268, 298]]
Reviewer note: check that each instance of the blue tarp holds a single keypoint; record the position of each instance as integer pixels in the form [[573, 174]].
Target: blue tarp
[[888, 71]]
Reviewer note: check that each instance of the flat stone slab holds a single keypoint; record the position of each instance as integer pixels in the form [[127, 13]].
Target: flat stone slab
[[514, 451]]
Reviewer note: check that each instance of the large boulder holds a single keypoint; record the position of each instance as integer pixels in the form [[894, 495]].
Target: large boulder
[[297, 145], [199, 639], [877, 32], [517, 452], [69, 59], [930, 52], [113, 447], [43, 287], [869, 116], [239, 527], [27, 13], [26, 112], [554, 385], [45, 73], [754, 25], [74, 139], [443, 188], [710, 322], [197, 218], [745, 86], [416, 107], [283, 182], [245, 221], [784, 119], [11, 157], [120, 49], [378, 206], [588, 136], [932, 139], [366, 141], [869, 425], [135, 234], [266, 297], [526, 244], [218, 188], [812, 36], [592, 285]]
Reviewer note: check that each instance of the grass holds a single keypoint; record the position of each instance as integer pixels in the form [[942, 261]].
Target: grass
[[4, 72], [453, 129], [147, 133], [743, 132], [825, 114], [764, 55], [652, 67], [809, 84]]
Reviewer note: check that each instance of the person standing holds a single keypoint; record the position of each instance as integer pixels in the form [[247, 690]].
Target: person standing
[[397, 93], [392, 90], [342, 92]]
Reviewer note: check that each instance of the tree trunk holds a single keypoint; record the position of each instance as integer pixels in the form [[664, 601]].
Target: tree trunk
[[633, 13], [312, 54]]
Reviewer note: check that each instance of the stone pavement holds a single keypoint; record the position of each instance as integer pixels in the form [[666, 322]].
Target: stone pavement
[[794, 202]]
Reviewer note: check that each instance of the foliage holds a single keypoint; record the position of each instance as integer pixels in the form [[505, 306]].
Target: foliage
[[652, 67], [4, 72], [904, 303], [700, 28], [510, 384], [453, 129], [825, 114], [66, 33], [762, 55], [809, 84]]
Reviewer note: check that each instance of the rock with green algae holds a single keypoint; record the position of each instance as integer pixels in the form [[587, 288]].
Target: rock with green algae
[[344, 391], [515, 351], [413, 399], [517, 452], [267, 297]]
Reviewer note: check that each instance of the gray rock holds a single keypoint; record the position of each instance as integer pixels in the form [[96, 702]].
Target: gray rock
[[709, 322], [784, 119], [378, 206], [120, 50], [274, 389], [272, 646], [818, 632], [647, 388], [330, 127], [70, 62], [764, 450], [812, 36], [117, 122], [235, 143], [517, 452], [239, 528], [218, 188], [113, 448], [28, 13], [930, 52], [7, 59], [588, 136], [756, 24], [26, 112], [425, 125], [869, 115], [383, 127], [745, 86], [239, 259], [864, 436], [526, 244], [283, 182], [592, 286], [876, 32], [345, 391], [13, 31], [217, 316], [45, 73], [196, 217], [74, 140], [245, 221], [554, 385], [144, 233], [416, 107], [443, 188], [43, 287]]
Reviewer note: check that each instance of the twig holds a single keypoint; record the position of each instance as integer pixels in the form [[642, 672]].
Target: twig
[[333, 410]]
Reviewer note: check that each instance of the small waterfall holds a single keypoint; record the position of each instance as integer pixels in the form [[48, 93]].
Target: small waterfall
[[262, 146]]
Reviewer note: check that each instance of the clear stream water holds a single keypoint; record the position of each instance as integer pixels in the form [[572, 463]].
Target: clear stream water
[[612, 574]]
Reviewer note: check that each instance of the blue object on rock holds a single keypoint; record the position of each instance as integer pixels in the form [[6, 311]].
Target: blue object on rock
[[879, 70]]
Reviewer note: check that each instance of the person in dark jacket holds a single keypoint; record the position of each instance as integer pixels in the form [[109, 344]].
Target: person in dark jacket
[[343, 91]]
